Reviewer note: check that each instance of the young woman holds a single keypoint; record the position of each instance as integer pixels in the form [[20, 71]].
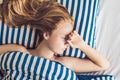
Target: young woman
[[55, 27]]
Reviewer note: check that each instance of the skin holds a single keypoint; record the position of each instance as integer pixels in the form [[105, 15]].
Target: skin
[[59, 40]]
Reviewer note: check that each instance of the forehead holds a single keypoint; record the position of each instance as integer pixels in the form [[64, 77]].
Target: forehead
[[64, 27]]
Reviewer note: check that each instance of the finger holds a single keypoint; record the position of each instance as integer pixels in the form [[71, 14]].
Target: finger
[[70, 43]]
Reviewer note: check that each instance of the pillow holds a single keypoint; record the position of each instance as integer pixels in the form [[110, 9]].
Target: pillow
[[23, 35], [20, 66], [84, 13]]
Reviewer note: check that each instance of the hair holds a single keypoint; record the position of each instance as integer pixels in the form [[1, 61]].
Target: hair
[[43, 15]]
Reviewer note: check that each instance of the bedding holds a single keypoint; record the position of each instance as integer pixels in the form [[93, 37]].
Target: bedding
[[84, 13], [22, 66]]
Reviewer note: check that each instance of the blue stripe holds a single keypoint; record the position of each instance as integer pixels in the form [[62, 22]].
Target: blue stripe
[[12, 38], [35, 39], [11, 62], [7, 35], [90, 34], [82, 17], [77, 14], [72, 8], [17, 63], [61, 72], [29, 38], [18, 35], [70, 51], [2, 57], [61, 2], [67, 2], [48, 70], [66, 75], [30, 63], [24, 62], [43, 66], [87, 22], [36, 67], [24, 35], [2, 29], [76, 52], [55, 70], [6, 60]]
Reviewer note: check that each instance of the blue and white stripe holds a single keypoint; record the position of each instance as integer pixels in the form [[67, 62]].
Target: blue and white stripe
[[23, 35], [84, 13], [20, 66]]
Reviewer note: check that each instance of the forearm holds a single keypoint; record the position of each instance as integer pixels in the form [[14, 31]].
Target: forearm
[[11, 47], [95, 56]]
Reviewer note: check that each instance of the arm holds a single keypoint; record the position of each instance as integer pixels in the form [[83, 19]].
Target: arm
[[11, 47], [96, 61]]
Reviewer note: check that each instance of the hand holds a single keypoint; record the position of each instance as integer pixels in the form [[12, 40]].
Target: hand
[[75, 40]]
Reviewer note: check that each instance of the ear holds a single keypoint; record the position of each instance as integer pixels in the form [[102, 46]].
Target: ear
[[46, 35]]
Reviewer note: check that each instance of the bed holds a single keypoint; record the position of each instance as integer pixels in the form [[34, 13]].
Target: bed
[[108, 34], [101, 35]]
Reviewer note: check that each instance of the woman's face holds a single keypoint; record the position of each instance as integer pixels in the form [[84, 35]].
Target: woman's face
[[57, 40]]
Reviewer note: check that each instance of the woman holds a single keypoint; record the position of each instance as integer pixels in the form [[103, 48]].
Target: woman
[[56, 33]]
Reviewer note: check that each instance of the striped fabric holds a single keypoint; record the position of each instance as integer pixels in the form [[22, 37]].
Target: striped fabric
[[84, 13], [19, 66], [95, 77], [23, 35]]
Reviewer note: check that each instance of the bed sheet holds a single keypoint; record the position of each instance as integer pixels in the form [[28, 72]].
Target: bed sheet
[[108, 35]]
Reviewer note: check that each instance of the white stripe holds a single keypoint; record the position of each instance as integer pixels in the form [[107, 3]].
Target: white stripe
[[9, 59], [46, 68], [69, 75], [98, 78], [15, 34], [33, 67], [103, 78], [32, 38], [26, 67], [51, 71], [13, 66], [58, 1], [67, 51], [4, 33], [90, 20], [64, 3], [3, 63], [69, 5], [58, 71], [20, 66], [39, 68], [85, 19], [79, 16], [21, 34], [9, 35], [64, 73], [92, 79], [73, 52], [27, 36], [75, 9]]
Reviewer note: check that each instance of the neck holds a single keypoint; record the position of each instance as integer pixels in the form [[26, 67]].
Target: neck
[[43, 51]]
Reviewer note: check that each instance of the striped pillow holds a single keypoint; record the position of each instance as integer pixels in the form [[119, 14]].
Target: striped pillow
[[25, 36], [84, 13], [19, 66]]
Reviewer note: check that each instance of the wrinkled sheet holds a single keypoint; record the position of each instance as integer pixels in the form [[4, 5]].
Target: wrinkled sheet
[[108, 35]]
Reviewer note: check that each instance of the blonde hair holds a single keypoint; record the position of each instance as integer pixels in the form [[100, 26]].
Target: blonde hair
[[43, 15]]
